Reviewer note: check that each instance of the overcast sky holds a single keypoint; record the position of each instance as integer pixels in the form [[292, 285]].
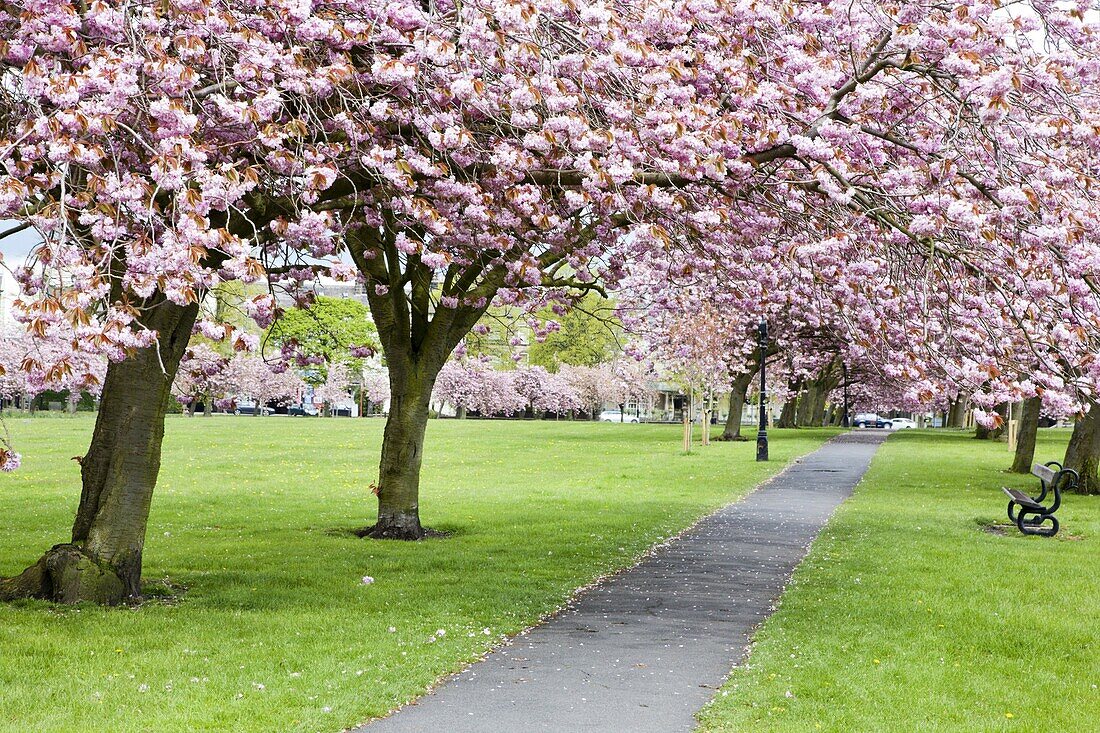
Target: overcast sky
[[14, 249]]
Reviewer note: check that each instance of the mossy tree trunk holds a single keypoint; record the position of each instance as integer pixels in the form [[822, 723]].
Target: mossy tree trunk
[[1083, 451], [102, 562], [807, 399], [827, 381], [1026, 435], [403, 453], [738, 392], [818, 419]]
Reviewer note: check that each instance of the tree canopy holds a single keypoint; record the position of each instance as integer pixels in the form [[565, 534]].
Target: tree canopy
[[328, 331], [588, 334]]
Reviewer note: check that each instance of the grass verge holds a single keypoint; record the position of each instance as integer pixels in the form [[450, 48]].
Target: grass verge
[[907, 616], [265, 625]]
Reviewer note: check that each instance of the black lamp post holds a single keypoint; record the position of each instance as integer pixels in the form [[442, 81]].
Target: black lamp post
[[847, 410], [762, 433]]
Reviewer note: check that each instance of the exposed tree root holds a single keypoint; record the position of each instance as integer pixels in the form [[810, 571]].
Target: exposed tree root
[[65, 575], [390, 532]]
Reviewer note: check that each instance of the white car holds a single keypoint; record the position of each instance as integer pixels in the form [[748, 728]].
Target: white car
[[900, 423], [617, 416]]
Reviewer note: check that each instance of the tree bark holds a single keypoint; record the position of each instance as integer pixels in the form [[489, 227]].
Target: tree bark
[[402, 453], [787, 414], [1083, 452], [1025, 437], [804, 416], [956, 417], [738, 392], [102, 562], [817, 418]]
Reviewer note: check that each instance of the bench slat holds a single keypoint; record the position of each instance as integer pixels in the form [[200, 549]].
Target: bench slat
[[1021, 498], [1043, 472]]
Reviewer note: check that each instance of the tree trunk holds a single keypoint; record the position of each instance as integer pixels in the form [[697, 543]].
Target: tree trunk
[[1025, 436], [818, 418], [1083, 452], [787, 414], [738, 393], [102, 563], [402, 452], [957, 415], [806, 401]]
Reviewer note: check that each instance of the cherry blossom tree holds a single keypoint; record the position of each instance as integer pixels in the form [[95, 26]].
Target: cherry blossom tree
[[461, 153], [475, 385], [153, 148], [250, 376], [376, 386], [337, 387], [201, 377], [543, 391]]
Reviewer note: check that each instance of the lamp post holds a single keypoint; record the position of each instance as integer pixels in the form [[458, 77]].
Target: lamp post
[[762, 433], [847, 411]]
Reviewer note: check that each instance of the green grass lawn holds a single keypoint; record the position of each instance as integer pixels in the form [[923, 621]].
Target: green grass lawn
[[906, 616], [275, 631]]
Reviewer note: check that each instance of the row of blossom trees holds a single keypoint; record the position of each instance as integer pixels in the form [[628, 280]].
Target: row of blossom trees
[[29, 366], [208, 378], [921, 175], [475, 385]]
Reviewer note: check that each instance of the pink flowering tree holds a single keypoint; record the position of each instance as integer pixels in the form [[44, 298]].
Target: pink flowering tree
[[156, 150], [530, 384], [30, 366], [557, 397], [461, 153], [376, 387], [337, 387], [250, 376], [474, 385], [544, 392], [200, 378], [593, 386]]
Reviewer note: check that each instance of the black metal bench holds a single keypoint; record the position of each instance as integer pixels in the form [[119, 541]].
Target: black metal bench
[[1053, 480]]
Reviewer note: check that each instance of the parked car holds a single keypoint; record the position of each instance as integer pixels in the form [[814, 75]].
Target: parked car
[[617, 416], [900, 423], [303, 411], [869, 420], [250, 409]]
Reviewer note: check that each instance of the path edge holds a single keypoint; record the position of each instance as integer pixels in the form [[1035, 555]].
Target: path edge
[[747, 650], [579, 592]]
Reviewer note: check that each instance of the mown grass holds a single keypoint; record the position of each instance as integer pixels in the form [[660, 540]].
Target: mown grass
[[907, 616], [275, 630]]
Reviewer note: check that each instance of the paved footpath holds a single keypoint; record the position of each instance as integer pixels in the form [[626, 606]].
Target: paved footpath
[[646, 649]]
